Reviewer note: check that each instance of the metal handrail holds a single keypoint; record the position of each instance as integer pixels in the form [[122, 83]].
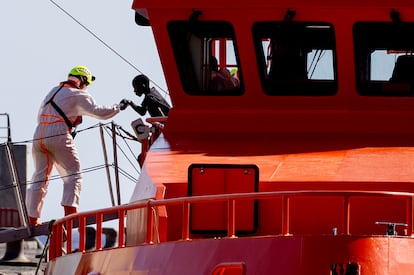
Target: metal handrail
[[64, 225], [8, 127]]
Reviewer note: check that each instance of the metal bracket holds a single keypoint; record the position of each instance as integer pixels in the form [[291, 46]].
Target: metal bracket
[[391, 227]]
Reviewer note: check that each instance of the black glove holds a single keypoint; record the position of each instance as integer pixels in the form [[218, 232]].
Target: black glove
[[123, 104]]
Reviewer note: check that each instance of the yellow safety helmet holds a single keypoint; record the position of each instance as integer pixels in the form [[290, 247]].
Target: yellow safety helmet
[[233, 71], [84, 73]]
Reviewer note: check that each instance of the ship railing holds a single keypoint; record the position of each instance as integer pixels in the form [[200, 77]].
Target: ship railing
[[61, 237], [9, 217]]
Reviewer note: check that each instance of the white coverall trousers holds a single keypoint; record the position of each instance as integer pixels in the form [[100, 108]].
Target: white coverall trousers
[[49, 146]]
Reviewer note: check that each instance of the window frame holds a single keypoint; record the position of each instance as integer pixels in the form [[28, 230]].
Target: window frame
[[375, 36], [294, 87], [192, 61]]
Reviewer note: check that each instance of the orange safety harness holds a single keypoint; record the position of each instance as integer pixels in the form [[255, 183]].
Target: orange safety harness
[[78, 120]]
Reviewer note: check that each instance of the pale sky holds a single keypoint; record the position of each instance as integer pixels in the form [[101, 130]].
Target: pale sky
[[39, 46]]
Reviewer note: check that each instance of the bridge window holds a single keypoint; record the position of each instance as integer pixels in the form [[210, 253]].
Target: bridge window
[[345, 269], [206, 57], [296, 58], [384, 58]]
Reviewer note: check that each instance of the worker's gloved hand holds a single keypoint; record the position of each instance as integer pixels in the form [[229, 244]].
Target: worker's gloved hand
[[124, 104]]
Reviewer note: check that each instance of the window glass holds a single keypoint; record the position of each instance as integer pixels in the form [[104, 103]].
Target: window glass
[[206, 55], [296, 58], [384, 58]]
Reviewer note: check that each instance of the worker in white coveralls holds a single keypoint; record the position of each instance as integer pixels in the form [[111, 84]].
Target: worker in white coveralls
[[61, 111]]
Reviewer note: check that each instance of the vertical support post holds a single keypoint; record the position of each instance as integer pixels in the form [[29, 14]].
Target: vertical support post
[[59, 240], [231, 218], [68, 235], [186, 221], [108, 174], [411, 221], [223, 53], [8, 129], [98, 231], [347, 213], [121, 228], [53, 243], [150, 225], [206, 73], [82, 233], [116, 163], [285, 215]]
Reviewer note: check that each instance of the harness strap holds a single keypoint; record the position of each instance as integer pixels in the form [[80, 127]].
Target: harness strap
[[59, 110]]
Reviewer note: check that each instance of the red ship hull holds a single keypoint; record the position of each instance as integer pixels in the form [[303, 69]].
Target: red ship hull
[[262, 255]]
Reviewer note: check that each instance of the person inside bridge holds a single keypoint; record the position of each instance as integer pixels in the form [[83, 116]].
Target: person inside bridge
[[221, 78], [53, 146]]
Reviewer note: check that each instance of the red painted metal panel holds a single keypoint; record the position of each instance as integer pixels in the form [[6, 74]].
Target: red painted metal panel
[[212, 179], [316, 215], [211, 216], [175, 212]]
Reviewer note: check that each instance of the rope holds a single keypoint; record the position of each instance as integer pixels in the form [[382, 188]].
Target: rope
[[130, 136], [56, 177], [33, 140], [127, 175], [88, 169], [105, 44], [123, 138]]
